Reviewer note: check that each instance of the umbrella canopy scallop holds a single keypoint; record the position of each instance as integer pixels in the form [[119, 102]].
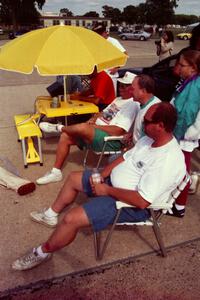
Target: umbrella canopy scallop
[[60, 50]]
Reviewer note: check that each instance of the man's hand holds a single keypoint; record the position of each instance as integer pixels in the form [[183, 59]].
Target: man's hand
[[100, 189], [91, 121], [128, 140]]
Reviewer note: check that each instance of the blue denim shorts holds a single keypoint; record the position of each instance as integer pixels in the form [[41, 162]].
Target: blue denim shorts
[[101, 210]]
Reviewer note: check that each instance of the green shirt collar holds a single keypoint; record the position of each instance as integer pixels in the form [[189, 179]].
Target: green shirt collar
[[149, 101]]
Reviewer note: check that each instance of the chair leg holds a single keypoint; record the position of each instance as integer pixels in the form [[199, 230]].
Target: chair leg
[[24, 152], [40, 150], [98, 251], [101, 155], [157, 233], [85, 158], [97, 237]]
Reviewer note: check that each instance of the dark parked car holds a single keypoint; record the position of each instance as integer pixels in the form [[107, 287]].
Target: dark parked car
[[13, 34], [162, 72]]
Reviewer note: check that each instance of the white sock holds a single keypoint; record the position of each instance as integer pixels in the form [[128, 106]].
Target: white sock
[[41, 253], [56, 170], [50, 213], [179, 207], [59, 126]]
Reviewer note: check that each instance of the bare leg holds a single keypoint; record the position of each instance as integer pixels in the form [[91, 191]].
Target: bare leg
[[69, 191], [66, 232], [68, 138], [63, 149], [82, 130]]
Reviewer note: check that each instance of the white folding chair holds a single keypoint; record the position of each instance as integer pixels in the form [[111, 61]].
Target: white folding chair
[[156, 211], [103, 152], [85, 80]]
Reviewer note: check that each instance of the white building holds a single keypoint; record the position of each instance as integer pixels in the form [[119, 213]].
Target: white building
[[50, 19]]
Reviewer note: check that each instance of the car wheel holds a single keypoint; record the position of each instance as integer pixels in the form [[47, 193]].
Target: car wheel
[[124, 37], [185, 37], [142, 38]]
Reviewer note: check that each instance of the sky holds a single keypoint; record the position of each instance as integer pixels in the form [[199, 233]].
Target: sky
[[80, 7]]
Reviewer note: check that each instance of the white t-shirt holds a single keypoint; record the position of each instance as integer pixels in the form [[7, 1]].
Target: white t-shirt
[[116, 43], [138, 125], [192, 136], [121, 113], [153, 172]]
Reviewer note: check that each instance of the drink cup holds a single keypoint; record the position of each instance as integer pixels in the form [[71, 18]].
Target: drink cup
[[96, 177]]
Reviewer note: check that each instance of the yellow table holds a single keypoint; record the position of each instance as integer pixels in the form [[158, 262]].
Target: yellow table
[[28, 128], [72, 107]]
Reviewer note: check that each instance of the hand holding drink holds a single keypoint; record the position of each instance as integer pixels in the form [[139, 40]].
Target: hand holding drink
[[99, 188], [96, 176]]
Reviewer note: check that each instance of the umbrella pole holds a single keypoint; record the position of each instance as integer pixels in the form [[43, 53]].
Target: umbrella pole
[[65, 94], [65, 88]]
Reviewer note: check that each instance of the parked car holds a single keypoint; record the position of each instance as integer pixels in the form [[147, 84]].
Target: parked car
[[184, 36], [13, 34], [135, 35], [162, 72], [1, 31]]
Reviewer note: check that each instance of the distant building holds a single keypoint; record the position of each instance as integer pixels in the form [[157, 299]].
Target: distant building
[[50, 19]]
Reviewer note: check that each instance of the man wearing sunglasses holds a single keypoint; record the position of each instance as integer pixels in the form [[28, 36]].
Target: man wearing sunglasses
[[143, 175]]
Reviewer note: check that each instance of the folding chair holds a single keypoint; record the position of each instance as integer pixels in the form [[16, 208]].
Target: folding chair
[[156, 211], [103, 152], [85, 80]]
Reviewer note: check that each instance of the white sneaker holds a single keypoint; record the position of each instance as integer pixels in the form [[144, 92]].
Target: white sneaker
[[42, 218], [48, 127], [29, 260], [194, 183], [54, 175]]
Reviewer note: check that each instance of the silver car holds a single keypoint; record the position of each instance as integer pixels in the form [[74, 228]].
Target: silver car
[[135, 35]]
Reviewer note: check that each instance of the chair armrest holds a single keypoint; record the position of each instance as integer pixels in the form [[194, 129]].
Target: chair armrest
[[120, 204], [113, 138]]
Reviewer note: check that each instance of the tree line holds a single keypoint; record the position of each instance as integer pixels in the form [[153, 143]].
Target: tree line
[[160, 12]]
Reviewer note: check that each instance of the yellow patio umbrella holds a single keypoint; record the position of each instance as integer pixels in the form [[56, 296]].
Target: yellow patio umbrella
[[60, 50]]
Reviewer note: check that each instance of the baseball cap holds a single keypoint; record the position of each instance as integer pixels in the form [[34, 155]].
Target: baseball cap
[[128, 78]]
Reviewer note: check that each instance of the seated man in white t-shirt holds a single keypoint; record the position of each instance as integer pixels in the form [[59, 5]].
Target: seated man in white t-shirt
[[115, 120], [143, 175]]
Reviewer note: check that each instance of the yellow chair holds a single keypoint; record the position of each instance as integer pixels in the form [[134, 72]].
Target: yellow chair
[[28, 128]]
